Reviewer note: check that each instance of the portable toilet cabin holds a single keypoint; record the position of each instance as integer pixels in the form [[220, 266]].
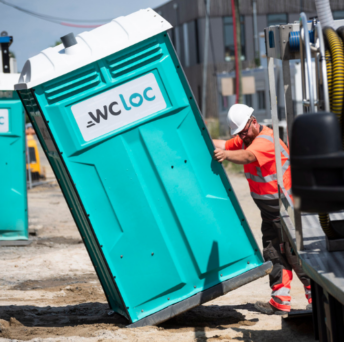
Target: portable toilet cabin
[[122, 131], [13, 199]]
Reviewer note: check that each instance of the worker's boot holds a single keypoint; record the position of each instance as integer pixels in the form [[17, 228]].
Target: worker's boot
[[268, 309]]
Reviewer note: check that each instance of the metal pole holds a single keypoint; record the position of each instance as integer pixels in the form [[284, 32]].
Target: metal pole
[[238, 42], [237, 86], [308, 105], [255, 33], [28, 163], [288, 99], [274, 117], [295, 215], [319, 35], [5, 57], [1, 60], [205, 60]]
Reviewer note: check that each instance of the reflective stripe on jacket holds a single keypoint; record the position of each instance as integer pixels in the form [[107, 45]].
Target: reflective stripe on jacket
[[261, 174]]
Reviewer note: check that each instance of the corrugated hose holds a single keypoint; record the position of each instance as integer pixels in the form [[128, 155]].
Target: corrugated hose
[[335, 77]]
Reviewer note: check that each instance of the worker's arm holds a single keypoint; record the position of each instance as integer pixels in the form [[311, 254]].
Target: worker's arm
[[219, 143], [237, 157]]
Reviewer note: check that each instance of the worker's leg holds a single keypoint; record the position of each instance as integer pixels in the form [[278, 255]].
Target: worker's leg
[[281, 274], [294, 262]]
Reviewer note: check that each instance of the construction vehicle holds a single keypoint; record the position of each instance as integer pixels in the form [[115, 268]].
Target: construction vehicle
[[33, 159], [313, 222]]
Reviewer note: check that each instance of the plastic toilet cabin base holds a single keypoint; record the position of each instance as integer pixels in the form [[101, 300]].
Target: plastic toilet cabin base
[[204, 296]]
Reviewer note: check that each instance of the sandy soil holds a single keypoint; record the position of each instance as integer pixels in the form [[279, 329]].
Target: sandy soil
[[50, 292]]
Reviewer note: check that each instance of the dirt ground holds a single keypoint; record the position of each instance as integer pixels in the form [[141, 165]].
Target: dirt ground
[[50, 292]]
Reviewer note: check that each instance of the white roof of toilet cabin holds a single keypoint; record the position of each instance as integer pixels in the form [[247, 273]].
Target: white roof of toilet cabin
[[91, 46], [7, 81]]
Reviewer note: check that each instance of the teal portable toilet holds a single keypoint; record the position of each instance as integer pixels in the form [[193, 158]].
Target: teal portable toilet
[[123, 133], [13, 199]]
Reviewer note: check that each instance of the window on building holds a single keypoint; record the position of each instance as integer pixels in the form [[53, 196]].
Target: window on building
[[248, 100], [229, 39], [198, 59], [277, 19], [177, 44], [261, 99], [186, 45], [338, 15], [225, 103]]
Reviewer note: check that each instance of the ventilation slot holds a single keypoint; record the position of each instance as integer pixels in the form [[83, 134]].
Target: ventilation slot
[[136, 59], [61, 90]]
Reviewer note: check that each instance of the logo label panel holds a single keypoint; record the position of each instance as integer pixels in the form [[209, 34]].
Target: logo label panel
[[118, 107], [4, 124]]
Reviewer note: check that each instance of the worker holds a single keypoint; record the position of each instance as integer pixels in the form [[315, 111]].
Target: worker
[[253, 146]]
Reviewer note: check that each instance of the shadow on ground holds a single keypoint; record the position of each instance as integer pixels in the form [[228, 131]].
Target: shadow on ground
[[84, 320], [210, 316], [298, 329], [28, 322]]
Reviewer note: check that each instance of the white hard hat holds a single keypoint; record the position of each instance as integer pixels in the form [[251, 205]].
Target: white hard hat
[[238, 115]]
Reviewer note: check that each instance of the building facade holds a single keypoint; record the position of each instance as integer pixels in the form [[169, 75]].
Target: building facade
[[187, 35]]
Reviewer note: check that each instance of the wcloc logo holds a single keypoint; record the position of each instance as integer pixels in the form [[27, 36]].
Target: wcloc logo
[[118, 107], [135, 100]]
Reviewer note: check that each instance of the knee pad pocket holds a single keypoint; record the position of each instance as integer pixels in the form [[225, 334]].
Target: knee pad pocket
[[270, 253]]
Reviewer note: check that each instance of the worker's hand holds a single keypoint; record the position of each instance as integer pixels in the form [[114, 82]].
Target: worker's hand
[[219, 155]]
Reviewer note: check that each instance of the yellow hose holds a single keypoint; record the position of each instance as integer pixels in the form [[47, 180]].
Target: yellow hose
[[329, 71], [335, 78], [337, 53], [324, 219], [340, 32]]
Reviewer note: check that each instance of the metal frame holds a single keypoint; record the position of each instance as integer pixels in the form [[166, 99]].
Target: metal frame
[[274, 116], [322, 266], [307, 51], [321, 78], [282, 51], [305, 44]]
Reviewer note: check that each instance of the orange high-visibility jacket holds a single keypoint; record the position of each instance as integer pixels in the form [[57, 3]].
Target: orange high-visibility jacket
[[261, 174]]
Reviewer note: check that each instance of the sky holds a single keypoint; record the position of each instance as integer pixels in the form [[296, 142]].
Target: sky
[[32, 35]]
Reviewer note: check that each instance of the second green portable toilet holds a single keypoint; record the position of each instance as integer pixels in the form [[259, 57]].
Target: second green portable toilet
[[123, 133], [13, 189]]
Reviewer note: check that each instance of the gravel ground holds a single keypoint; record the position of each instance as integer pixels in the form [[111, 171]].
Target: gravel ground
[[50, 292]]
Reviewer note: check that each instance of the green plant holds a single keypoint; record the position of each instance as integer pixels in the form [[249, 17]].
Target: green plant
[[213, 126], [233, 168]]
